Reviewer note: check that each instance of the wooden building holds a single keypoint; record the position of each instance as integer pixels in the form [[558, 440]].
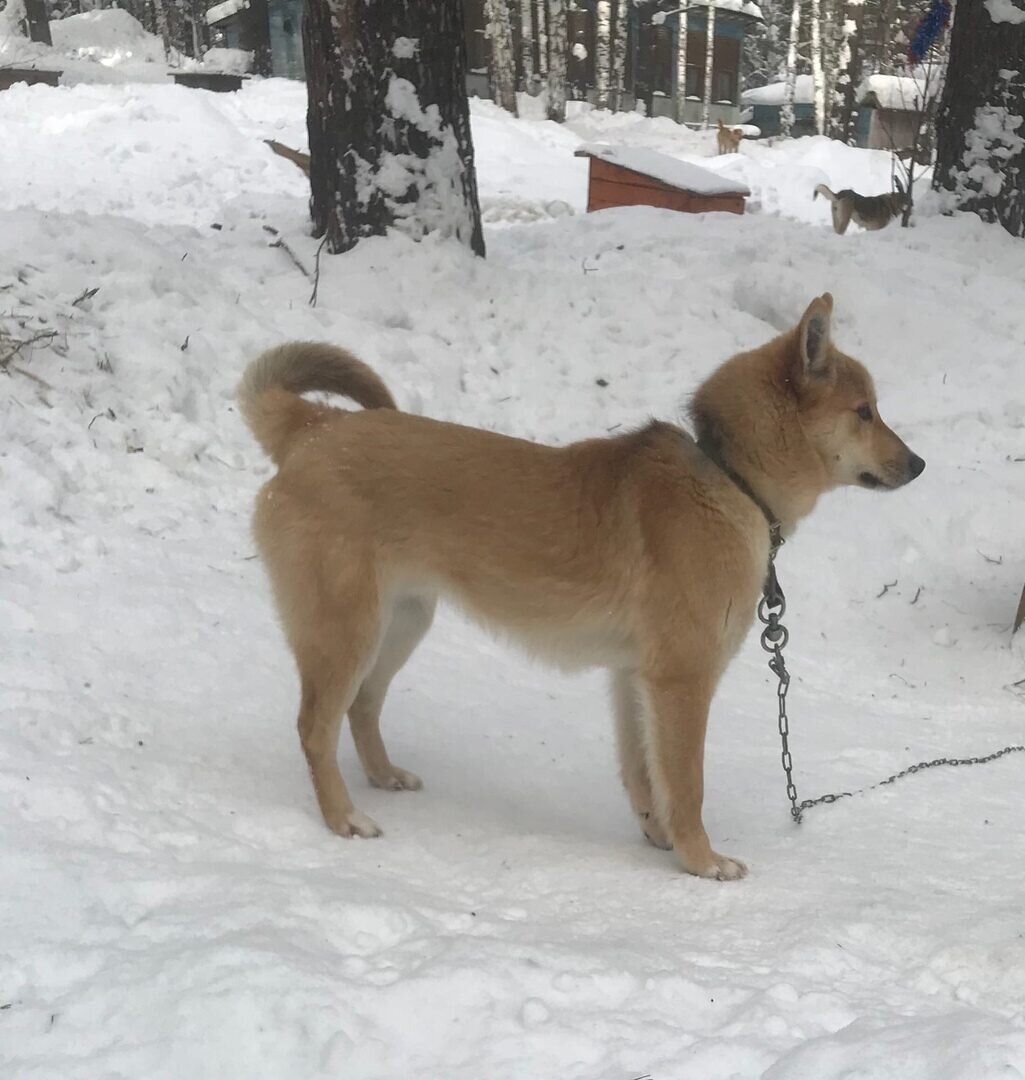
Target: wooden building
[[651, 54], [888, 108], [272, 29]]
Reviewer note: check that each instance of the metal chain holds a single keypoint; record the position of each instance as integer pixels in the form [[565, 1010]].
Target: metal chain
[[771, 609]]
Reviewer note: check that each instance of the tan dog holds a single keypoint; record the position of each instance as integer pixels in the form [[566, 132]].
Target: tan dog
[[728, 139], [869, 211], [644, 553]]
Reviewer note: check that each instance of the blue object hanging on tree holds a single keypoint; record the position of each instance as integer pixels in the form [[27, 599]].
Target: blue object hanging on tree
[[929, 28]]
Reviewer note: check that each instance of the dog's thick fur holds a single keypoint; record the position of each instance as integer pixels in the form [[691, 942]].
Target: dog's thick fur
[[869, 211], [637, 553], [729, 139]]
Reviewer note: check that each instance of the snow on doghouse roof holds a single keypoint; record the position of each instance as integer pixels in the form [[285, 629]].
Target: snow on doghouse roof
[[899, 91], [668, 170], [804, 93]]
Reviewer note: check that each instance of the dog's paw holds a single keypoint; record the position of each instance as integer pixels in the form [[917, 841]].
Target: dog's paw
[[354, 823], [653, 832], [397, 780], [722, 868]]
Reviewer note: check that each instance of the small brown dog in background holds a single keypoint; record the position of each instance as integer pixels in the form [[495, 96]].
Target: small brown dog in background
[[728, 139]]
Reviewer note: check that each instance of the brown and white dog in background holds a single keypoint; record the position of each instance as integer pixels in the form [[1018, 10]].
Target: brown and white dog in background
[[869, 211], [728, 139], [643, 553]]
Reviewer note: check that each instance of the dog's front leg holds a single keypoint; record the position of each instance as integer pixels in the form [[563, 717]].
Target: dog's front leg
[[677, 716]]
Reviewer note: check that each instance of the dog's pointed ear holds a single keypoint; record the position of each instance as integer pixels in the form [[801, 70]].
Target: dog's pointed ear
[[813, 336]]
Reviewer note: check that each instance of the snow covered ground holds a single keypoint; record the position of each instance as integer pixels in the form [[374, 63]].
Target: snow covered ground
[[170, 903]]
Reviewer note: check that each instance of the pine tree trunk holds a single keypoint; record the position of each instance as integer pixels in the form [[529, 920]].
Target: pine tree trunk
[[503, 59], [980, 151], [557, 43], [818, 80], [603, 53], [527, 42], [706, 112], [38, 23], [681, 64], [619, 41], [786, 114], [388, 121]]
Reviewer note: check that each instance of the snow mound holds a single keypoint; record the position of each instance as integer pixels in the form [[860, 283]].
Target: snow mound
[[109, 36], [228, 61]]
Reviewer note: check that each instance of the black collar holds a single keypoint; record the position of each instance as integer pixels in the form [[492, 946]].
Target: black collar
[[775, 526]]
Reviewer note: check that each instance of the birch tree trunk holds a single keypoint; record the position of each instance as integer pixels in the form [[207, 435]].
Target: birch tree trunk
[[542, 10], [197, 15], [786, 115], [557, 42], [603, 50], [980, 146], [681, 64], [388, 121], [818, 80], [852, 73], [619, 41], [160, 11], [527, 42], [503, 59], [706, 112]]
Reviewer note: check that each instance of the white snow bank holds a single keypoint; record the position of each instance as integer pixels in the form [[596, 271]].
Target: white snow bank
[[228, 61], [109, 46], [667, 170], [1004, 11], [109, 36]]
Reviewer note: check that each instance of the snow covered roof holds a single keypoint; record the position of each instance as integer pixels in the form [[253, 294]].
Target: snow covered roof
[[223, 10], [804, 93], [668, 170], [898, 91]]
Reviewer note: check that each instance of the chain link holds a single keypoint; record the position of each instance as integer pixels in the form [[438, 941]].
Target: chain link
[[771, 609]]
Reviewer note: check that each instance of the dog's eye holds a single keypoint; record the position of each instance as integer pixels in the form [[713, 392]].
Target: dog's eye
[[865, 412]]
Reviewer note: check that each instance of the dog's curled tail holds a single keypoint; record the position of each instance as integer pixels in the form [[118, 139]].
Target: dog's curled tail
[[269, 393], [822, 190]]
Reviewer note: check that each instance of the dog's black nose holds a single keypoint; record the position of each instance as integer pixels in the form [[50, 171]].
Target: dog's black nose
[[916, 465]]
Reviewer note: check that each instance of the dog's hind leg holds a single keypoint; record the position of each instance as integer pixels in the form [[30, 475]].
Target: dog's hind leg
[[633, 765], [334, 632], [410, 620], [679, 698]]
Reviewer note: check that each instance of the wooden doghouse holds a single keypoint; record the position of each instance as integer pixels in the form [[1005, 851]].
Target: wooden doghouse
[[631, 176], [32, 76], [217, 81]]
